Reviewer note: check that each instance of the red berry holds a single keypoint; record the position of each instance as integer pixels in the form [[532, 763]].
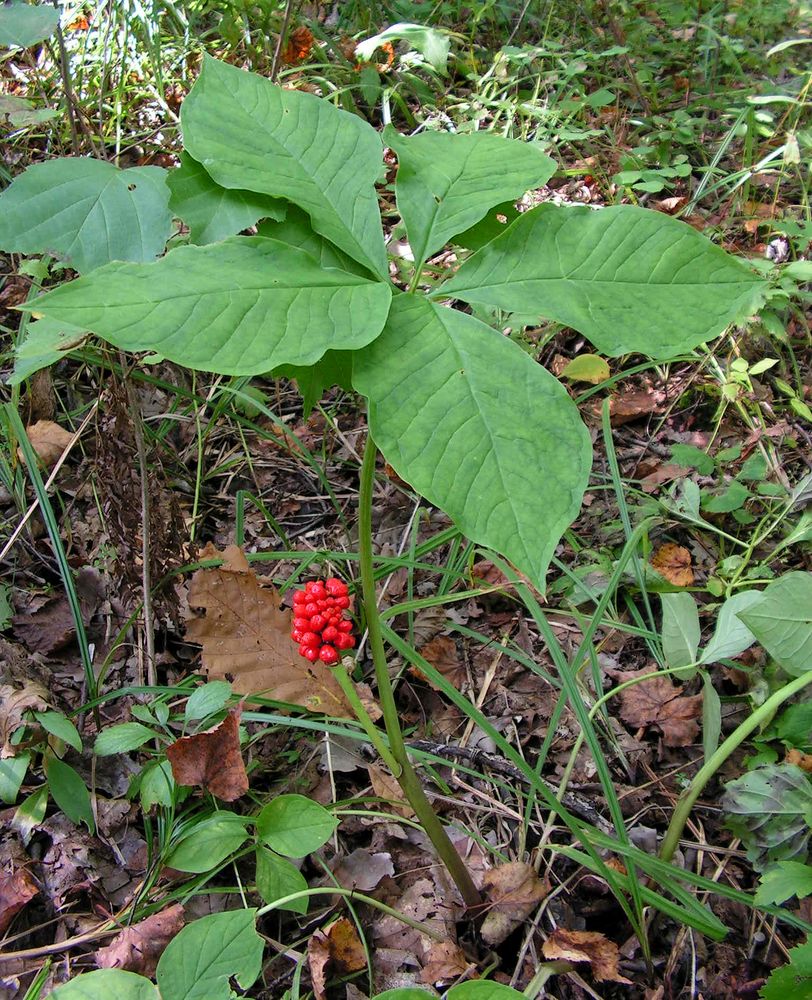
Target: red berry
[[296, 635], [345, 641], [335, 586], [344, 626], [318, 592], [317, 623], [310, 653], [328, 655], [301, 622], [330, 634], [342, 602], [311, 609], [321, 605], [311, 639], [299, 597]]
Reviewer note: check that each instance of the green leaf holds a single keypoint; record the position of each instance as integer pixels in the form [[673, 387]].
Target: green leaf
[[21, 113], [23, 24], [782, 621], [208, 843], [768, 808], [200, 960], [156, 785], [45, 343], [793, 981], [207, 699], [69, 791], [86, 212], [782, 881], [731, 636], [494, 223], [335, 368], [711, 717], [57, 725], [481, 989], [30, 813], [692, 457], [733, 498], [12, 772], [432, 43], [250, 134], [629, 279], [794, 726], [446, 183], [294, 825], [239, 307], [105, 983], [680, 630], [213, 212], [277, 878], [478, 428], [122, 738], [296, 230], [587, 368]]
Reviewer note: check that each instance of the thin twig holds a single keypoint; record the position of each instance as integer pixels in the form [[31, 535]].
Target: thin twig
[[283, 32]]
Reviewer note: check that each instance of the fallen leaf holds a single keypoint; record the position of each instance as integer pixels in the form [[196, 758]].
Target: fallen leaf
[[138, 948], [51, 627], [445, 962], [48, 440], [441, 653], [16, 889], [671, 205], [513, 891], [586, 946], [212, 759], [630, 405], [338, 946], [673, 563], [587, 368], [363, 869], [13, 706], [246, 640], [659, 702], [662, 474], [386, 787]]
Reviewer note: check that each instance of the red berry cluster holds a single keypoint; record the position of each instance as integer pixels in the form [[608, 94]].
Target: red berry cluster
[[319, 625]]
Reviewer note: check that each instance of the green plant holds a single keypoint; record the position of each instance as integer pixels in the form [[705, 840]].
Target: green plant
[[460, 412]]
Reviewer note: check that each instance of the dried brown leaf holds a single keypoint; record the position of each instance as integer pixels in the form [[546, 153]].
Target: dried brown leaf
[[442, 654], [16, 889], [13, 706], [363, 869], [659, 702], [338, 946], [138, 948], [513, 891], [586, 946], [48, 440], [212, 759], [245, 636], [385, 786], [445, 962], [673, 563], [51, 627]]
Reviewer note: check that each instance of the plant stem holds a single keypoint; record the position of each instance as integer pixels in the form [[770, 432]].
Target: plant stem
[[707, 771], [407, 778], [363, 717]]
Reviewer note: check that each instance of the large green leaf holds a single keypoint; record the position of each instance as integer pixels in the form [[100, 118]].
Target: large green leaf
[[105, 983], [782, 621], [199, 962], [23, 24], [477, 427], [242, 306], [208, 843], [213, 212], [87, 212], [446, 183], [250, 134], [629, 279], [297, 230]]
